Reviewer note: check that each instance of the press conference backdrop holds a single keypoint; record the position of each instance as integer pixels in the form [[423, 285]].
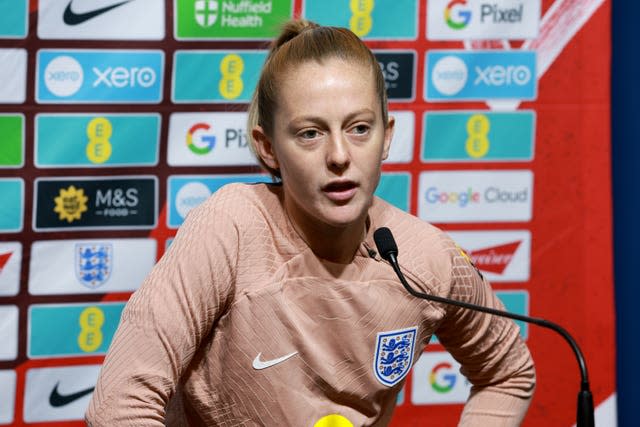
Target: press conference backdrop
[[118, 117]]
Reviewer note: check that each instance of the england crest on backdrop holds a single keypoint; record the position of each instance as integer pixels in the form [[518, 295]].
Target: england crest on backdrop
[[394, 355], [94, 263]]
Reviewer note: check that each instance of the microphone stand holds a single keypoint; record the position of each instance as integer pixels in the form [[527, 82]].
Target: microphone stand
[[584, 417]]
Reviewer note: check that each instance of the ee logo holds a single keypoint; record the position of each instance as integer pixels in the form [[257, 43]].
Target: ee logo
[[99, 148]]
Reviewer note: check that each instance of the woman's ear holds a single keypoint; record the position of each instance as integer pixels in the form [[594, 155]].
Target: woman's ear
[[264, 147], [388, 136]]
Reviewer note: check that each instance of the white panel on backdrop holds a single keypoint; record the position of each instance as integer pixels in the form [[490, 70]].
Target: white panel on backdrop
[[216, 139], [13, 75], [7, 396], [58, 394], [90, 266], [436, 379], [501, 255], [8, 332], [401, 150], [476, 196], [10, 262], [101, 19], [478, 20]]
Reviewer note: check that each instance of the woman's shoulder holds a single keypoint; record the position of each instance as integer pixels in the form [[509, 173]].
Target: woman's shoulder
[[238, 199], [237, 205], [423, 248]]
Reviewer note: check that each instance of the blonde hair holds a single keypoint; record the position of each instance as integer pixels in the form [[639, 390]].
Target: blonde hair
[[302, 41]]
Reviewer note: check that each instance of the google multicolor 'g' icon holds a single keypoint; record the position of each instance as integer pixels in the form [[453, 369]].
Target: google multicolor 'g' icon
[[198, 140], [463, 15], [444, 381]]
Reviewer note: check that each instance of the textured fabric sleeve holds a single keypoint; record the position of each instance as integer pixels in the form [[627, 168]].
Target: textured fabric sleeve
[[166, 320], [493, 356]]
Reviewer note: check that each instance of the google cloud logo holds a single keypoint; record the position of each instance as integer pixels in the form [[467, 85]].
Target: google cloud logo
[[445, 382], [459, 20]]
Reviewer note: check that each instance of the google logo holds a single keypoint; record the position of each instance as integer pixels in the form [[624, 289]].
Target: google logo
[[204, 143], [462, 198], [464, 16], [448, 380]]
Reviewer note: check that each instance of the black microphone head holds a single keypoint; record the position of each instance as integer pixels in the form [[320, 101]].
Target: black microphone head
[[385, 243]]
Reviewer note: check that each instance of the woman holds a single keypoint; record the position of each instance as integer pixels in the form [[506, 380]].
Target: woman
[[271, 307]]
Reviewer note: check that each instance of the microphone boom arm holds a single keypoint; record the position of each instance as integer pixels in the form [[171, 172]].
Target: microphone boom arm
[[585, 418]]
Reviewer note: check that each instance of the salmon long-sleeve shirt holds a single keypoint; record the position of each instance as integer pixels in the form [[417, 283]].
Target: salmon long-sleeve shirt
[[240, 323]]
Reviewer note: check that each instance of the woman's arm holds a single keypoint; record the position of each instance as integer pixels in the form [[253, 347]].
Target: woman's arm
[[493, 356], [165, 322]]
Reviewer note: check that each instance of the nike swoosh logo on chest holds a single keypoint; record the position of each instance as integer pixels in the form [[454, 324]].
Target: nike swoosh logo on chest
[[264, 364]]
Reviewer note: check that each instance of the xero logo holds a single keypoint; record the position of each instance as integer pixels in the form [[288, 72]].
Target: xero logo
[[206, 12], [360, 22], [122, 77], [456, 16], [500, 75], [449, 75], [442, 377], [63, 76], [199, 140]]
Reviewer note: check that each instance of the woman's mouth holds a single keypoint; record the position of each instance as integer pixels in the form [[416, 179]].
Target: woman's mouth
[[340, 191]]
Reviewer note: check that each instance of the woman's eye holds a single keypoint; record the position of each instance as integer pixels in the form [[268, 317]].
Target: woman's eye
[[309, 134], [360, 129]]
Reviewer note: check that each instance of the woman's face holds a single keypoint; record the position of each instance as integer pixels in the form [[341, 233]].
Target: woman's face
[[328, 142]]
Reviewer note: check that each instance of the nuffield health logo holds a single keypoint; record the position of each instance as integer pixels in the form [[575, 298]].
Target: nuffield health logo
[[229, 19]]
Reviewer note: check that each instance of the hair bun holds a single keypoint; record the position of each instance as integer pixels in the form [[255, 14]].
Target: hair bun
[[291, 29]]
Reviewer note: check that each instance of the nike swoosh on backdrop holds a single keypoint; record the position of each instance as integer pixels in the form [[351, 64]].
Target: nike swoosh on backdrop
[[263, 364], [56, 399], [72, 18]]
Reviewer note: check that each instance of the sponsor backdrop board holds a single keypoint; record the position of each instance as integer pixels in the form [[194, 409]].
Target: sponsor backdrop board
[[110, 133]]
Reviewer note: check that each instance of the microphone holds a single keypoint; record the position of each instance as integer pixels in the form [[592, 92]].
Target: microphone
[[389, 251]]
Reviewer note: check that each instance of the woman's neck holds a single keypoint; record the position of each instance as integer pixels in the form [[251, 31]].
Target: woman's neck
[[335, 244]]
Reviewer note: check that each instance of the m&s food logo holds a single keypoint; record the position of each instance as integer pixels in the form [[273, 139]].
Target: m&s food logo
[[456, 16], [95, 203], [70, 204]]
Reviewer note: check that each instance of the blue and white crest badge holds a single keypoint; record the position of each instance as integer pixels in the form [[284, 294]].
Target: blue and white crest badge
[[394, 355], [94, 263]]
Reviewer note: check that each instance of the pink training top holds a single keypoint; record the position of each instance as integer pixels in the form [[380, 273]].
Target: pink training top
[[240, 323]]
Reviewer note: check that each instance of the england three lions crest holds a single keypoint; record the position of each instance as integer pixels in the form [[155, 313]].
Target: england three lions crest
[[394, 355], [94, 263]]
